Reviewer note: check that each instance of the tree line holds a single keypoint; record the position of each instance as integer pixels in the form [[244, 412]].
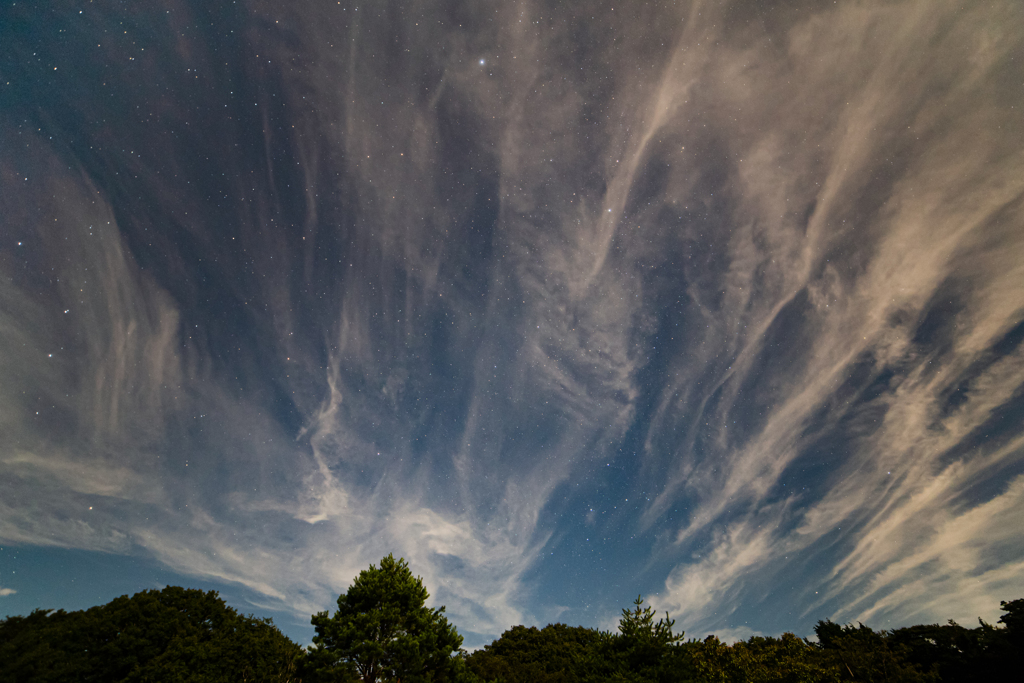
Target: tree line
[[383, 631]]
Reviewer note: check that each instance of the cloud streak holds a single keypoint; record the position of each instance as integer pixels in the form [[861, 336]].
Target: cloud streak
[[715, 303]]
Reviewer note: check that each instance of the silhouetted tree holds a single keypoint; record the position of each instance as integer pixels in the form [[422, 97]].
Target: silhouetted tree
[[168, 635], [383, 631], [644, 650], [649, 648], [866, 655], [554, 654]]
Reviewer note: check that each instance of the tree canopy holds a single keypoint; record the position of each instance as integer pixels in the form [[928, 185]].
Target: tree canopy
[[644, 650], [383, 630], [175, 634]]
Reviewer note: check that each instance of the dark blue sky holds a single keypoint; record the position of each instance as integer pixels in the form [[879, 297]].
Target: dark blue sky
[[720, 303]]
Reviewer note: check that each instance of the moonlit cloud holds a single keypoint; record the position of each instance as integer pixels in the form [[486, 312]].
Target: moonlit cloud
[[716, 303]]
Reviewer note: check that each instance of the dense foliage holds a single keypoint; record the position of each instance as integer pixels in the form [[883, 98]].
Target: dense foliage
[[647, 651], [175, 634], [383, 631]]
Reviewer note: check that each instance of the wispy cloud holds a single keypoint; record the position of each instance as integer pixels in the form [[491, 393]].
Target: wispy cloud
[[887, 305], [457, 274]]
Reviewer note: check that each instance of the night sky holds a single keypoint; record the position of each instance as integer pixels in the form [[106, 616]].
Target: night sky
[[720, 303]]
